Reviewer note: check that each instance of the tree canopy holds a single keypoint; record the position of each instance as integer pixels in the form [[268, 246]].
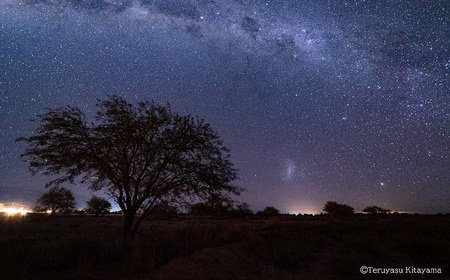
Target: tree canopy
[[142, 154], [57, 200], [98, 205], [220, 208], [375, 210], [336, 209], [269, 211]]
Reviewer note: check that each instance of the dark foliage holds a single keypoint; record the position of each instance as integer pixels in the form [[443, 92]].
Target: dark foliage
[[143, 155], [269, 211], [201, 209], [98, 205], [241, 210], [79, 212], [220, 208], [214, 205], [57, 200], [164, 212], [375, 210], [336, 209]]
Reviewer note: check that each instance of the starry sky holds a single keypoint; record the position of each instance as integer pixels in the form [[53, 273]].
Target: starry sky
[[317, 100]]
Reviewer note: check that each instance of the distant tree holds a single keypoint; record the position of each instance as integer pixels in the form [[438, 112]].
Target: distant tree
[[375, 210], [269, 211], [79, 212], [226, 208], [57, 200], [221, 206], [143, 155], [241, 210], [214, 206], [336, 209], [164, 212], [97, 205], [200, 208]]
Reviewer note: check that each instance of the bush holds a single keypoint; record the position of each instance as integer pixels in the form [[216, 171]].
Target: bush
[[269, 211], [98, 205], [164, 212], [375, 210], [336, 209]]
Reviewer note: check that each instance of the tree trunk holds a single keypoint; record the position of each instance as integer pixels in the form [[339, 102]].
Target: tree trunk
[[128, 224]]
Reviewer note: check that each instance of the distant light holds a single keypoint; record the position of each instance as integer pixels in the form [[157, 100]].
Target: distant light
[[304, 209], [12, 211]]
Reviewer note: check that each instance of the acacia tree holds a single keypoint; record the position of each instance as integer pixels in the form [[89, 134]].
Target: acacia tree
[[98, 205], [375, 210], [143, 155], [56, 199], [336, 209], [269, 211]]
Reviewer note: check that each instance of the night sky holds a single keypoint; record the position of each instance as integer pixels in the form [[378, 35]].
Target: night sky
[[317, 100]]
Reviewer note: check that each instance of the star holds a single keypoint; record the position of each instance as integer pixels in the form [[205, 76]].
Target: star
[[312, 97]]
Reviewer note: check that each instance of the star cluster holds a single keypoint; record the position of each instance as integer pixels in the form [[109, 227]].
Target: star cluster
[[317, 100]]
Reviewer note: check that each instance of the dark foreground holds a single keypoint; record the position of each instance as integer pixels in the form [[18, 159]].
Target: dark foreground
[[319, 247]]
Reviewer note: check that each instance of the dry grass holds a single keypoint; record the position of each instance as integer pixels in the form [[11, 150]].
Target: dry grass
[[197, 248]]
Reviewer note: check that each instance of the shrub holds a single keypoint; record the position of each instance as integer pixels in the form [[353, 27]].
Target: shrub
[[269, 211], [336, 209]]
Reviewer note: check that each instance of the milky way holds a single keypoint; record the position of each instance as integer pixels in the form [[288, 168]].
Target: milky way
[[317, 100]]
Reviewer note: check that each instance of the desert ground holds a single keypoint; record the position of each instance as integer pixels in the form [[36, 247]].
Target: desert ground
[[183, 247]]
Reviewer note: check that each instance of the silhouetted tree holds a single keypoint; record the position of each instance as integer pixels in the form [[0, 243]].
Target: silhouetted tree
[[80, 212], [98, 205], [214, 206], [56, 199], [143, 155], [336, 209], [241, 210], [201, 209], [375, 210], [226, 209], [39, 209], [269, 211], [164, 212]]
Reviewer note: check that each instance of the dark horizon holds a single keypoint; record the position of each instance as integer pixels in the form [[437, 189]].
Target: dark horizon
[[318, 101]]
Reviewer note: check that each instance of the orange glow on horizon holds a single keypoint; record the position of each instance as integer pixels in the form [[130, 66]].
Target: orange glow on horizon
[[13, 210], [305, 209]]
